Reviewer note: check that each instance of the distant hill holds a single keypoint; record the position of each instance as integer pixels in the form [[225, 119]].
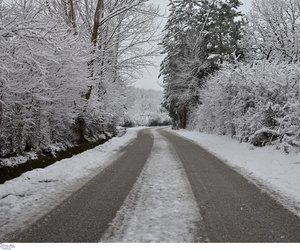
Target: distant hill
[[144, 107]]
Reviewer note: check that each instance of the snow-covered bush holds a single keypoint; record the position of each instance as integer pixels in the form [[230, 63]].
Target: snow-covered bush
[[42, 79], [258, 102], [272, 30], [64, 69]]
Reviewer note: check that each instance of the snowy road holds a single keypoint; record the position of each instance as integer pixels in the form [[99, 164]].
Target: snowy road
[[85, 215], [164, 188], [161, 207], [233, 209]]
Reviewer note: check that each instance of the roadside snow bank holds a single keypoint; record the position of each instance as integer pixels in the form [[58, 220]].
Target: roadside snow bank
[[161, 207], [25, 199], [270, 169]]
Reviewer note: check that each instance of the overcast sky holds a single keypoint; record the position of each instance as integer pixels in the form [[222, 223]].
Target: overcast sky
[[149, 79]]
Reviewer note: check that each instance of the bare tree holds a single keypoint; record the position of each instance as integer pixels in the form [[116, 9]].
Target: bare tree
[[273, 29]]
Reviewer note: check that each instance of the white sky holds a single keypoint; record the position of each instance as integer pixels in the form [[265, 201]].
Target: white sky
[[149, 79]]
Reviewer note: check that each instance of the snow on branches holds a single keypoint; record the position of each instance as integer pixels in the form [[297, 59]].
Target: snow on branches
[[259, 103], [64, 67], [42, 70]]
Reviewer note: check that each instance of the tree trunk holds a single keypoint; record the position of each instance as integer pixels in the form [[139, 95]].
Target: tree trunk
[[72, 15], [69, 11], [96, 25]]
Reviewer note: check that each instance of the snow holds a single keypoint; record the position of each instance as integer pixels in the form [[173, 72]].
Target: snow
[[271, 170], [25, 199], [212, 56], [13, 161], [161, 207]]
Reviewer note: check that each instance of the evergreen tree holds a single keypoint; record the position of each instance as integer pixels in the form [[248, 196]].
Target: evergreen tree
[[199, 36]]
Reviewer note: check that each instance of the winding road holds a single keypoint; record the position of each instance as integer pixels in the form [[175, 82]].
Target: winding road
[[232, 209]]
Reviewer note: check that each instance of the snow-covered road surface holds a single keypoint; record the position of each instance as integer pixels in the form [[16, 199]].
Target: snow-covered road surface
[[233, 209], [175, 191], [27, 198], [86, 214], [161, 207], [272, 170]]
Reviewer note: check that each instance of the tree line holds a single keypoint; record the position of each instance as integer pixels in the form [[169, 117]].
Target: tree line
[[64, 68], [234, 74]]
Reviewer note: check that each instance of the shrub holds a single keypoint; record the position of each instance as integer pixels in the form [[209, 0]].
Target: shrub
[[259, 103]]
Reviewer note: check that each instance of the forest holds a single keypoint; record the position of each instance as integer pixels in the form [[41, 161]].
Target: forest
[[65, 69], [67, 65], [233, 74]]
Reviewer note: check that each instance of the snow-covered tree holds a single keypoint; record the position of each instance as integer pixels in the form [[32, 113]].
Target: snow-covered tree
[[64, 67], [273, 30], [120, 32], [199, 36], [257, 100], [259, 103], [42, 70]]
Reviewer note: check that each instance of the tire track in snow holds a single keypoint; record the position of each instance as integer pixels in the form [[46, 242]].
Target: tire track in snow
[[161, 207], [233, 209]]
